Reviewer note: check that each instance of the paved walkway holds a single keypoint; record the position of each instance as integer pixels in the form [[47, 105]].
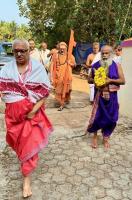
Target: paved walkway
[[69, 169]]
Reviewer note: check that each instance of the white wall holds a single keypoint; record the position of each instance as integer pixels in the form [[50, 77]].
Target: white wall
[[125, 93]]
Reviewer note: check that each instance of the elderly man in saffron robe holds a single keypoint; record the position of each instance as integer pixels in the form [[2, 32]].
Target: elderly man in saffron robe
[[61, 75], [24, 85], [105, 108]]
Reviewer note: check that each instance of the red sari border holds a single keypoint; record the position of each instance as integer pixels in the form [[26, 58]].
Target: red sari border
[[94, 109], [10, 86]]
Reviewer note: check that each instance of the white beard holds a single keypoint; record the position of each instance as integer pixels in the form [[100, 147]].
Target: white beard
[[106, 62]]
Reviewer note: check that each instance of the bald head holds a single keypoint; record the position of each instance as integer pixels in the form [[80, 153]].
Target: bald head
[[96, 47], [24, 42]]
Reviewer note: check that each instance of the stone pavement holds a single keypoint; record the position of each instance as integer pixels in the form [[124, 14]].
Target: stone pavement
[[69, 169]]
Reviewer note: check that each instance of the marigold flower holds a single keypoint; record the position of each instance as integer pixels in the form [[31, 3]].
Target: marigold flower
[[100, 76]]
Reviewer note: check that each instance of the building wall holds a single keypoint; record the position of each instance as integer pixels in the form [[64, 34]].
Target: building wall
[[125, 93]]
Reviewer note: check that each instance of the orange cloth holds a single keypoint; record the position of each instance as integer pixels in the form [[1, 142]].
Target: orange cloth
[[61, 73], [72, 44]]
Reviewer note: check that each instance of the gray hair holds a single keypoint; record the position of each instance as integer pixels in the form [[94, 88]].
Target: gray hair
[[107, 47], [109, 60], [16, 41]]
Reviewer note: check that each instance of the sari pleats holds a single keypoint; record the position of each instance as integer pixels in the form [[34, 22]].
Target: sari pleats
[[26, 136]]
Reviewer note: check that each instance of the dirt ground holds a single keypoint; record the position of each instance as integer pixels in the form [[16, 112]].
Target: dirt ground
[[80, 84]]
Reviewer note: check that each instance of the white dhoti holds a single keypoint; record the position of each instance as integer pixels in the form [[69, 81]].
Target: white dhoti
[[91, 92], [91, 86], [96, 59]]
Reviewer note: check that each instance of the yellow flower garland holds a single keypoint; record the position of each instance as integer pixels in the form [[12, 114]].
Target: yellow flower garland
[[100, 76]]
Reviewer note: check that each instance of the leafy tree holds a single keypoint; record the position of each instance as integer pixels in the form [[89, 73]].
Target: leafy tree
[[10, 30], [51, 20]]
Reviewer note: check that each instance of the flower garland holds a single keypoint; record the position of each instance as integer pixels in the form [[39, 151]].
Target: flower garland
[[100, 76]]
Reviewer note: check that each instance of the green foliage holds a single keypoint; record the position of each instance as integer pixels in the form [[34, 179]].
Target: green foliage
[[51, 20], [10, 31]]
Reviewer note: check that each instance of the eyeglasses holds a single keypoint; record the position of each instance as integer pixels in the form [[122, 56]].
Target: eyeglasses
[[22, 51]]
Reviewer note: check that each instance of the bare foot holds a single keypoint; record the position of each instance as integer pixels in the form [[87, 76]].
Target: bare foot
[[94, 142], [106, 144], [27, 187]]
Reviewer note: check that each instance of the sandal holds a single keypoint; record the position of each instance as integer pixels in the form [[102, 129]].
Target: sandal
[[60, 108], [67, 102]]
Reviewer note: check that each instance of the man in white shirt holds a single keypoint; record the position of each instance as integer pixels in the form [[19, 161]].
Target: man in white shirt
[[91, 59], [44, 55], [34, 52], [118, 54]]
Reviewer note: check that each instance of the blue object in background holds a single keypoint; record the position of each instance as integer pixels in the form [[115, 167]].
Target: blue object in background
[[81, 52]]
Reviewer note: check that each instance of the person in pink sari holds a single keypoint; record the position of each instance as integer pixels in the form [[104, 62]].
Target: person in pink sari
[[24, 85]]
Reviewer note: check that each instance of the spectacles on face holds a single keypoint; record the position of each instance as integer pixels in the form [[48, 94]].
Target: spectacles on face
[[22, 51]]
